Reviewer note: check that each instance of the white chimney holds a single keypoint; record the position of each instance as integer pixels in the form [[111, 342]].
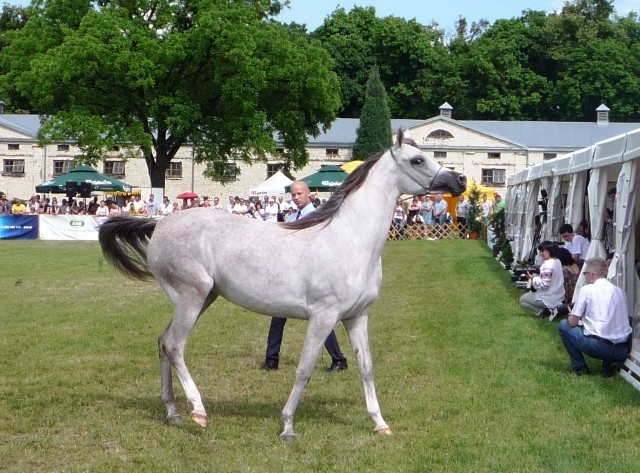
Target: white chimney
[[446, 110]]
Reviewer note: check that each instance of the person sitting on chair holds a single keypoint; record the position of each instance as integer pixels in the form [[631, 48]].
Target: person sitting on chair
[[549, 285], [598, 324]]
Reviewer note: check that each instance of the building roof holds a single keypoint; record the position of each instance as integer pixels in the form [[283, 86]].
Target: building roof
[[560, 136]]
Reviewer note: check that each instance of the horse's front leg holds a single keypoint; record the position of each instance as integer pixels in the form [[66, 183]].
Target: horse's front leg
[[317, 333], [359, 338]]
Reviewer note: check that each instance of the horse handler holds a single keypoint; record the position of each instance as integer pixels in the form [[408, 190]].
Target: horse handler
[[598, 324]]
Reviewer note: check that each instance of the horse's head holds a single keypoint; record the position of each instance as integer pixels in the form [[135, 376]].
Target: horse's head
[[419, 174]]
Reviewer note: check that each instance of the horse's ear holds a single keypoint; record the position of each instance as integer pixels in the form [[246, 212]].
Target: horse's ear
[[400, 137]]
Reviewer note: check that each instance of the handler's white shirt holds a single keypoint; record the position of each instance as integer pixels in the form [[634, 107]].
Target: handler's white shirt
[[307, 209], [602, 307]]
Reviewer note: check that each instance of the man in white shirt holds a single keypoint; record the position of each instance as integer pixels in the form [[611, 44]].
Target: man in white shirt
[[302, 199], [576, 244], [598, 325], [151, 206], [166, 208]]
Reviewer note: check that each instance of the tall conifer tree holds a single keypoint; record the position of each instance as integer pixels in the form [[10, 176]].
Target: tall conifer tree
[[374, 133]]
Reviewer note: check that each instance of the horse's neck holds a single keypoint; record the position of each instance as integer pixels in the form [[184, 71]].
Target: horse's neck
[[369, 210]]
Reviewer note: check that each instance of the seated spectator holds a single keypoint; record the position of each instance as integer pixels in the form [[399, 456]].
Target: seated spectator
[[65, 208], [18, 207], [258, 211], [605, 332], [549, 285], [45, 206], [413, 211], [216, 204], [576, 244], [571, 273], [176, 207], [114, 209], [102, 210], [55, 207], [166, 208], [272, 210]]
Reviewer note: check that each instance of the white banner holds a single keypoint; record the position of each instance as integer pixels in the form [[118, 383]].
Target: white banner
[[70, 227]]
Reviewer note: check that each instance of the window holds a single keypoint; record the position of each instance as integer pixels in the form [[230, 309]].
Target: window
[[493, 155], [13, 167], [174, 171], [13, 147], [230, 172], [440, 135], [439, 155], [493, 176], [64, 148], [114, 168], [280, 151], [61, 167], [547, 156], [332, 152], [273, 168]]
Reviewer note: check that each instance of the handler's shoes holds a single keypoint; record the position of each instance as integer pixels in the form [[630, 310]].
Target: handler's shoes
[[554, 314], [269, 365], [582, 371], [337, 366], [609, 370]]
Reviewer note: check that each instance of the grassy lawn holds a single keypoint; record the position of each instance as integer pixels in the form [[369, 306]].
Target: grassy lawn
[[466, 379]]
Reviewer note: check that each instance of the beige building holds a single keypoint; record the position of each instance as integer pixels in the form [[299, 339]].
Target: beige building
[[486, 151]]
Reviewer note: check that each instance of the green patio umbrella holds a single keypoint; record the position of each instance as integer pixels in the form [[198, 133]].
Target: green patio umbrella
[[327, 179], [98, 182]]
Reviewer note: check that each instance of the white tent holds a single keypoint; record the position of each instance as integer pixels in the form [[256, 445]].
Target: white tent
[[273, 186]]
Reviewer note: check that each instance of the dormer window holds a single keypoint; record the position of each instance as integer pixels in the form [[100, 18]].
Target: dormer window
[[440, 135]]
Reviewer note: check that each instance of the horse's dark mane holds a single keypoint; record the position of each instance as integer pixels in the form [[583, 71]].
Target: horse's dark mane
[[328, 210]]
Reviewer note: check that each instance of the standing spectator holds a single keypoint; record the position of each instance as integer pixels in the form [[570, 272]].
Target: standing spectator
[[576, 244], [151, 206], [605, 330], [549, 285], [426, 210], [45, 206], [302, 198], [570, 275], [231, 203], [176, 207], [487, 209], [398, 218], [258, 212], [609, 224], [5, 207], [498, 205], [166, 207], [413, 211], [125, 207], [284, 205], [272, 210], [239, 208], [65, 208], [439, 209], [114, 208], [462, 208], [216, 204], [138, 205]]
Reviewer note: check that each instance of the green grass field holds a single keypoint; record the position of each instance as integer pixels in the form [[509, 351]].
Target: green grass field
[[466, 379]]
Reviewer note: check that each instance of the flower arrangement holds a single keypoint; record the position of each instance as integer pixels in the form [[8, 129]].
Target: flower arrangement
[[474, 215]]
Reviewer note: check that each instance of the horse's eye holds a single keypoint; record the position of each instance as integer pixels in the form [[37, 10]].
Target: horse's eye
[[417, 161]]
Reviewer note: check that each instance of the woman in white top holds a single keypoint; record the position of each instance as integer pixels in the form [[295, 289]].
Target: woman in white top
[[102, 210], [549, 285], [271, 211]]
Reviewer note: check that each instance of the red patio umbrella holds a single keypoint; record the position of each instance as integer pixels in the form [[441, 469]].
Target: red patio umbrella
[[187, 195]]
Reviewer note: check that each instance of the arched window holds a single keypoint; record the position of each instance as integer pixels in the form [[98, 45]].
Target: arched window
[[440, 135]]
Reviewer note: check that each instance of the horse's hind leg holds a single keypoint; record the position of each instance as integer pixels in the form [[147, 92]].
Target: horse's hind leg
[[171, 346], [358, 336]]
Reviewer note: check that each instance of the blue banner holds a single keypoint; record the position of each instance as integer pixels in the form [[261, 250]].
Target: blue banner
[[24, 227]]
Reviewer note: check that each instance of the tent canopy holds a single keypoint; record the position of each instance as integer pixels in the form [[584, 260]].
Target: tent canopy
[[81, 174], [327, 179], [275, 185]]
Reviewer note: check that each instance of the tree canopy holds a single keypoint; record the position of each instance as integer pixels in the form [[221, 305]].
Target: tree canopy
[[159, 74]]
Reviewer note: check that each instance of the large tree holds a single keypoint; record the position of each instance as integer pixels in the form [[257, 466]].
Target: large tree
[[374, 133], [158, 74]]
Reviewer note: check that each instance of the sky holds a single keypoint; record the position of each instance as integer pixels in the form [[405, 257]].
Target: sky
[[444, 12]]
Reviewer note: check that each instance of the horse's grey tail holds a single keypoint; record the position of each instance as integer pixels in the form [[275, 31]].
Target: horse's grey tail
[[124, 244]]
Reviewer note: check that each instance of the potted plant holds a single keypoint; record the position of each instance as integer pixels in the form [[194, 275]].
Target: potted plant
[[474, 215]]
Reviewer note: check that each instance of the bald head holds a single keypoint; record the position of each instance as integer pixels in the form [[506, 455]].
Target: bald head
[[300, 194]]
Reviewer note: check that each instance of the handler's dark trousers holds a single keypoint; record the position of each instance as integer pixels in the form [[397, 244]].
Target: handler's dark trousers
[[274, 340]]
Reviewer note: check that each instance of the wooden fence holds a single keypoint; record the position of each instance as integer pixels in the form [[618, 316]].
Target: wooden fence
[[419, 231]]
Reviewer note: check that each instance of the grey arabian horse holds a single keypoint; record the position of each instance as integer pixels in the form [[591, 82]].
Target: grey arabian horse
[[327, 265]]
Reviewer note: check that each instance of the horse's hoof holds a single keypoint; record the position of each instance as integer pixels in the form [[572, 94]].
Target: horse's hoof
[[174, 419], [287, 437], [200, 419], [384, 431]]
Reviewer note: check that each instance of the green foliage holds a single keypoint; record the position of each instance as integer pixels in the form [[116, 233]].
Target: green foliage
[[159, 74], [374, 133], [474, 215], [80, 379]]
